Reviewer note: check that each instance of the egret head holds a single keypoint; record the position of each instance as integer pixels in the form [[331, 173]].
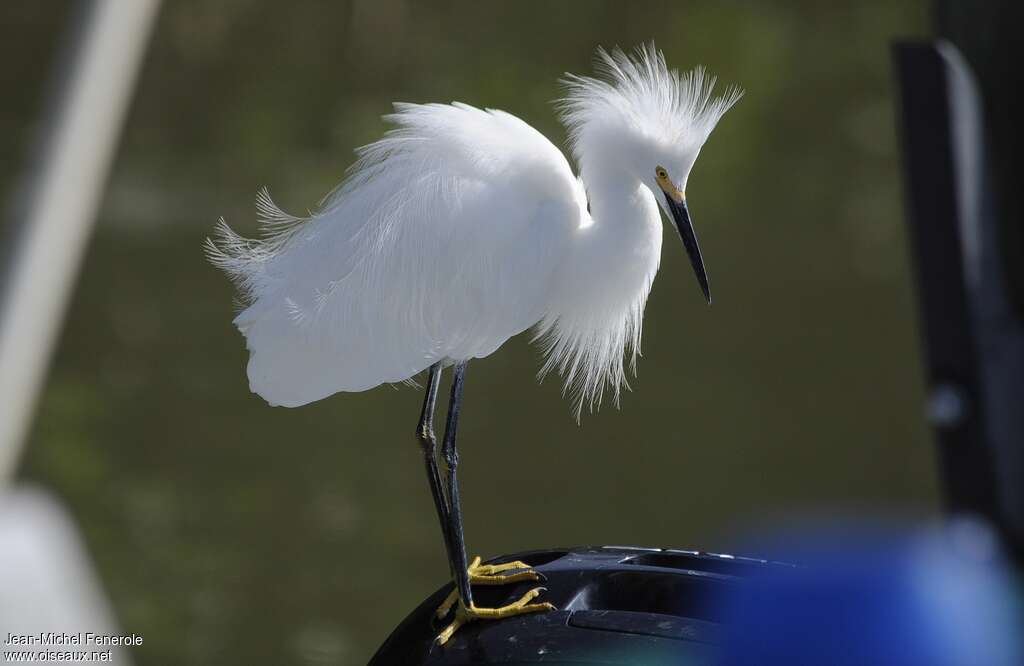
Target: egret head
[[646, 123]]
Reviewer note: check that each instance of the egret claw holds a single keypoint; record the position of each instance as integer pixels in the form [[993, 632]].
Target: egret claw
[[465, 615], [492, 574]]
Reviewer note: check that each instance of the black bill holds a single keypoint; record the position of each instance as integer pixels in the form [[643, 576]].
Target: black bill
[[681, 217]]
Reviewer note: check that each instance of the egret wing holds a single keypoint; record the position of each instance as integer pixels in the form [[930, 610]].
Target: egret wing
[[440, 245]]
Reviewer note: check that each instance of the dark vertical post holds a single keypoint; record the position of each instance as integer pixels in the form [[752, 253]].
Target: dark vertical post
[[986, 33], [955, 404]]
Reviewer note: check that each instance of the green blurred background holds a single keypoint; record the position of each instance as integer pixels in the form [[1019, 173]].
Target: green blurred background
[[229, 532]]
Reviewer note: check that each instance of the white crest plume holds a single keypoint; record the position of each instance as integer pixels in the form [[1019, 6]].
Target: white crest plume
[[642, 95]]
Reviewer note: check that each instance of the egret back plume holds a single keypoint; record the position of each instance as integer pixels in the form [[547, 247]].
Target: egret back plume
[[428, 252]]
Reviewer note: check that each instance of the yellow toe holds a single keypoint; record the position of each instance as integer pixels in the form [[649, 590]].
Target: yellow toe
[[491, 574]]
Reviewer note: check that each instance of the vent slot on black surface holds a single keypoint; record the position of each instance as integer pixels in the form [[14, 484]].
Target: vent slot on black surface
[[651, 592]]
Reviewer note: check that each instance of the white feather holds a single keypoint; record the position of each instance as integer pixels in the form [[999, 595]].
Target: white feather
[[463, 227]]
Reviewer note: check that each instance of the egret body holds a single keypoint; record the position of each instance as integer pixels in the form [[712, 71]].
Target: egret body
[[463, 227]]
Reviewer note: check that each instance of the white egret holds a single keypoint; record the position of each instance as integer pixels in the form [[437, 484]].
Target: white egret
[[463, 227]]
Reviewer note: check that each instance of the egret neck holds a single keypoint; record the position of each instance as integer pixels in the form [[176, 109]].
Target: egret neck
[[617, 252]]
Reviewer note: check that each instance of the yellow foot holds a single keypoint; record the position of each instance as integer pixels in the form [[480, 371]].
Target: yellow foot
[[491, 574], [465, 615]]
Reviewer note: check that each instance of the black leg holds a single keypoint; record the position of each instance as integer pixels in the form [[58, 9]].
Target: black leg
[[457, 544], [425, 435]]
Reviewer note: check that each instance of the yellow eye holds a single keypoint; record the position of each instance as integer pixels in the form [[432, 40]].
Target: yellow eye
[[661, 173]]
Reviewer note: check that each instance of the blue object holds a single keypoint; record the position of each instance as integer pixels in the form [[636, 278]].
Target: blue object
[[869, 595]]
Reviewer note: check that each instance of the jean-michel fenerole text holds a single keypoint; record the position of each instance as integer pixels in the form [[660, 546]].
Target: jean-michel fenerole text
[[82, 638]]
